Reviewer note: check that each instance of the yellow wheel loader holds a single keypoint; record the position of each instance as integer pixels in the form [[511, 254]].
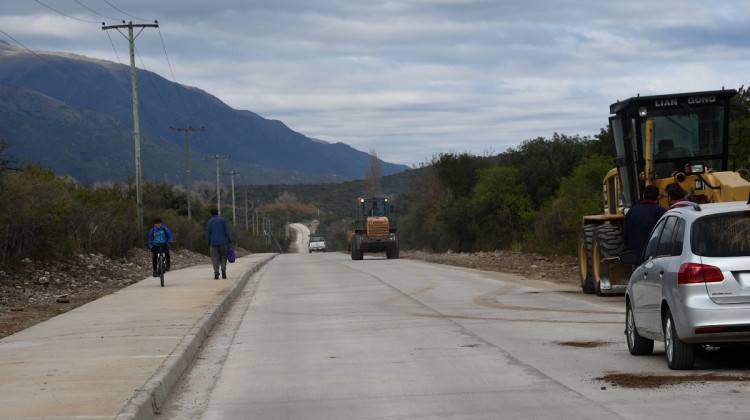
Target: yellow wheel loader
[[374, 229]]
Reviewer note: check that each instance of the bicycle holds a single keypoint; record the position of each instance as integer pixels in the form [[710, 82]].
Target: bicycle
[[161, 261]]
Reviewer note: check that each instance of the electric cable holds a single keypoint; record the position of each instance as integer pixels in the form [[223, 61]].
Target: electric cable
[[169, 63], [92, 10], [124, 12], [62, 73], [66, 15]]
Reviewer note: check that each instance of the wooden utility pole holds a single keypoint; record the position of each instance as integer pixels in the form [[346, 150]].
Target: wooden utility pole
[[234, 214], [136, 129], [187, 131], [218, 185], [247, 228]]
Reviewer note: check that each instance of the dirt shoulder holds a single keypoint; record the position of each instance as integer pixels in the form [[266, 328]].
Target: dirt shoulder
[[36, 291], [557, 269]]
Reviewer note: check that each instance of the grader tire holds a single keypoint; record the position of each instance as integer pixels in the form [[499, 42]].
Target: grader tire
[[606, 243], [609, 239], [585, 267]]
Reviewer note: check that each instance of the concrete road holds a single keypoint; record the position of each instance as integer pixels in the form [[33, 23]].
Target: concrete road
[[319, 336]]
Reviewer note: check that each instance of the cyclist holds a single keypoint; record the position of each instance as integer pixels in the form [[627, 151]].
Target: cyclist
[[159, 236]]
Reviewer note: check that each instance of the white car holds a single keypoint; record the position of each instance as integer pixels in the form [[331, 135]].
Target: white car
[[691, 286], [317, 243]]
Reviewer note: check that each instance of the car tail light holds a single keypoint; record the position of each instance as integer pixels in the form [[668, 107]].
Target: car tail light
[[698, 273], [709, 330]]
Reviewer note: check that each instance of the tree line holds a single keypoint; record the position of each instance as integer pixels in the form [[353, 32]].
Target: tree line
[[530, 198], [44, 216]]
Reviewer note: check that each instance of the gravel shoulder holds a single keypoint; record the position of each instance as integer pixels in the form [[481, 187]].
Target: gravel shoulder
[[36, 291]]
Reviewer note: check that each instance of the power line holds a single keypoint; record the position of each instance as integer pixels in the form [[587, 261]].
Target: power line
[[66, 15], [169, 63], [122, 66], [92, 10], [62, 73], [126, 13], [153, 84]]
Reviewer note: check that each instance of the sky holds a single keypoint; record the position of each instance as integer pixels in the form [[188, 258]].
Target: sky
[[412, 79]]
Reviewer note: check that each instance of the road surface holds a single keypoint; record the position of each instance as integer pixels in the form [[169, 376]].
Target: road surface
[[319, 336]]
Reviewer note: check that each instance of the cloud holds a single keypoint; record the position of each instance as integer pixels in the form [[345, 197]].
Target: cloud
[[415, 78]]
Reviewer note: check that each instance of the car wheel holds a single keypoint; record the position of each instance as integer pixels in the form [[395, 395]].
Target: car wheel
[[680, 355], [637, 345]]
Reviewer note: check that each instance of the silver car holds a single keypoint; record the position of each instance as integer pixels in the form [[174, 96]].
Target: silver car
[[691, 286]]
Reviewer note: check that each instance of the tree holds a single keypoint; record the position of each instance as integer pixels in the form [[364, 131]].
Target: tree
[[418, 209], [542, 163], [6, 162], [558, 223], [458, 173], [373, 177], [739, 129], [502, 208]]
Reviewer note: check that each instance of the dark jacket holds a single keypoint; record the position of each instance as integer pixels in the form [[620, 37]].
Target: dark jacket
[[217, 231], [639, 221]]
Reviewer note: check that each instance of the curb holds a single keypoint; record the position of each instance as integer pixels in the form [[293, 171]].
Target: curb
[[147, 400]]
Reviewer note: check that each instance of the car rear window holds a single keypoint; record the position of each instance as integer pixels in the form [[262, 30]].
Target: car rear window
[[725, 235]]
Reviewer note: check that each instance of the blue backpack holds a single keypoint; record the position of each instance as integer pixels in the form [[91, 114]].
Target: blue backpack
[[159, 236]]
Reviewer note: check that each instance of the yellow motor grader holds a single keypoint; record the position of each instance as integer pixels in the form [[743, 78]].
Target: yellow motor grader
[[659, 140]]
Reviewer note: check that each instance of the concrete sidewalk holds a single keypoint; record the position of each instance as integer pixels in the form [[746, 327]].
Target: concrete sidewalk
[[119, 356]]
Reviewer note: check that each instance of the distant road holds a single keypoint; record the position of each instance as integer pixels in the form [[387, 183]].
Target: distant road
[[319, 336], [301, 238]]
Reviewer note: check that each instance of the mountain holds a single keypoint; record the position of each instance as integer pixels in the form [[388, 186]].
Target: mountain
[[75, 115]]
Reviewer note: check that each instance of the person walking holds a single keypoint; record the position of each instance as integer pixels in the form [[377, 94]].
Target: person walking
[[219, 238], [641, 219]]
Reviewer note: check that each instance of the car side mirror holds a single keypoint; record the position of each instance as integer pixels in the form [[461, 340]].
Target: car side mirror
[[629, 257]]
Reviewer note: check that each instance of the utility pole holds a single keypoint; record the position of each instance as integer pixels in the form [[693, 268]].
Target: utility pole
[[246, 221], [136, 129], [234, 214], [187, 131], [218, 187]]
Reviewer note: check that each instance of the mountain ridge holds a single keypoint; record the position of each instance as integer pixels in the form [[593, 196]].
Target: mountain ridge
[[74, 114]]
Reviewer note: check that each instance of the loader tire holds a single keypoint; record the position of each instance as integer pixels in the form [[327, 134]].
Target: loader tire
[[391, 253], [585, 267], [357, 252]]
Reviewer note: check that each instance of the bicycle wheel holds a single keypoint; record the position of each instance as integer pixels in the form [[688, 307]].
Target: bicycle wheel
[[162, 268]]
